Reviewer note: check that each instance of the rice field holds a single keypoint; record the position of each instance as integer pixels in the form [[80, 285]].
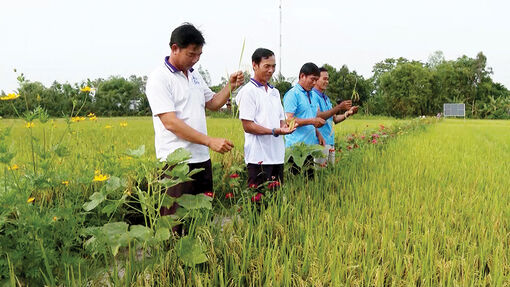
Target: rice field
[[426, 207]]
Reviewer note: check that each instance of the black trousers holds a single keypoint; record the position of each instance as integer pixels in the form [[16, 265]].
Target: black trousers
[[260, 173], [202, 182]]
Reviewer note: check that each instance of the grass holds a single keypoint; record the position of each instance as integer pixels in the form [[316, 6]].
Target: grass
[[428, 208]]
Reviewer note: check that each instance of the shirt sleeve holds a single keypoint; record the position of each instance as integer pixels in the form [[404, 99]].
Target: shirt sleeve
[[159, 95], [290, 102], [247, 105]]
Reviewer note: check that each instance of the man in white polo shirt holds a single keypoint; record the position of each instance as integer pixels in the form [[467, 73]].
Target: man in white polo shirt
[[263, 118], [178, 97]]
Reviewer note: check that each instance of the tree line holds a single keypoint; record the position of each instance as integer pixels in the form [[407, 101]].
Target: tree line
[[398, 88]]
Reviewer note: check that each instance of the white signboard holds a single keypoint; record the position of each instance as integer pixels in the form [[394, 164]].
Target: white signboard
[[454, 110]]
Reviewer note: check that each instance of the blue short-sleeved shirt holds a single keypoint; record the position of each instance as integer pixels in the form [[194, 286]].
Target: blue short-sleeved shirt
[[299, 102], [324, 104]]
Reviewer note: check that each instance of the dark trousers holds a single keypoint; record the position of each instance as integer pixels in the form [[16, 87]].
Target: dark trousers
[[307, 167], [202, 182], [260, 173]]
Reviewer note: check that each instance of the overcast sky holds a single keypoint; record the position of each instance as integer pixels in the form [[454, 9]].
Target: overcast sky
[[75, 40]]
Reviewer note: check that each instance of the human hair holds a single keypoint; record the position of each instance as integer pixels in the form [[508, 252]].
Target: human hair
[[261, 53], [186, 35], [310, 69], [322, 69]]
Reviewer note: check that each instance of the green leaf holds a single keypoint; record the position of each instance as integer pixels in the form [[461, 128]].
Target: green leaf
[[136, 152], [109, 209], [191, 202], [168, 201], [140, 232], [191, 251], [162, 234], [195, 171], [168, 182], [168, 221], [180, 171], [112, 184], [178, 156], [95, 199]]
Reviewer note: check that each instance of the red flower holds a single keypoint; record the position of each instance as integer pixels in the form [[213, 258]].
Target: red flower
[[374, 141], [350, 139], [257, 197], [362, 137], [381, 127], [252, 185], [209, 193], [234, 175], [229, 195], [273, 184], [375, 136]]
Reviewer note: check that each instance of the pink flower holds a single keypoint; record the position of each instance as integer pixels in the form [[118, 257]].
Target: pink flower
[[374, 141], [257, 197], [349, 147], [375, 136], [381, 127], [234, 175], [362, 137], [209, 193], [229, 195]]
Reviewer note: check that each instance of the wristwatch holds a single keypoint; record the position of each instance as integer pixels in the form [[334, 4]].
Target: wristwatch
[[272, 132]]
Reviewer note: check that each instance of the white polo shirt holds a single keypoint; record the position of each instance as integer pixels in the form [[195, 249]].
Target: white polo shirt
[[265, 109], [169, 90]]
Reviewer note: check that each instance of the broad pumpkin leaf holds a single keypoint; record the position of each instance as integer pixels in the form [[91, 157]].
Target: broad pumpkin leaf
[[136, 152], [191, 251], [191, 202], [95, 199]]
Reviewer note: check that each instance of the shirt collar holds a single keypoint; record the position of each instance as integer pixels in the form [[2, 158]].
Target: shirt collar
[[171, 67], [258, 84], [319, 92]]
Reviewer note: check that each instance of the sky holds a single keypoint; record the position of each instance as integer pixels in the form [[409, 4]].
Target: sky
[[72, 40]]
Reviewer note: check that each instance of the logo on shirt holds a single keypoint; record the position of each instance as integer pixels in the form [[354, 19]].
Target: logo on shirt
[[195, 80]]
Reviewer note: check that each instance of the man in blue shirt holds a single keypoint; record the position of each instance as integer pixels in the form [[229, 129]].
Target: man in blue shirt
[[330, 114], [298, 105]]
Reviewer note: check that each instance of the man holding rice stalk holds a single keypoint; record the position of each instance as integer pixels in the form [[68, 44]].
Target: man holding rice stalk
[[330, 114], [178, 97], [299, 107], [263, 118]]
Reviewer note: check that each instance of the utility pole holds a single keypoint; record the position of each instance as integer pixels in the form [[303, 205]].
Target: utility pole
[[280, 54]]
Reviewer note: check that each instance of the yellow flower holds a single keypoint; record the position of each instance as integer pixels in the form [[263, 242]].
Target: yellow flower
[[123, 124], [85, 89], [93, 118], [65, 182], [13, 167], [30, 199], [77, 119], [11, 96], [55, 218], [29, 125], [99, 177], [107, 127], [91, 115]]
